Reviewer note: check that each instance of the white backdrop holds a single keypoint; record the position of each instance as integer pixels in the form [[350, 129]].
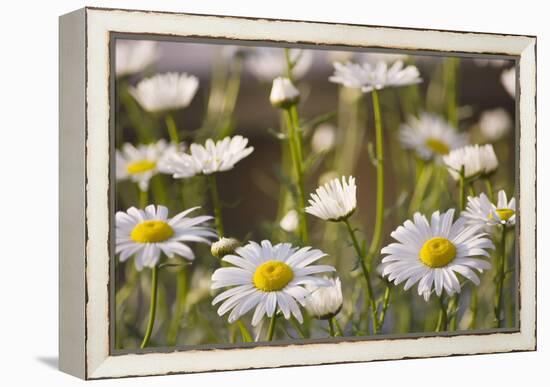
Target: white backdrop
[[28, 193]]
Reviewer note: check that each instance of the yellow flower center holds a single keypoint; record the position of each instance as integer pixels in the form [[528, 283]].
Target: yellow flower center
[[140, 166], [505, 213], [437, 252], [272, 276], [151, 231], [437, 146]]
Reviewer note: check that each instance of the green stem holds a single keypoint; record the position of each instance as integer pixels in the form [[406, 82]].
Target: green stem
[[331, 327], [179, 310], [152, 308], [379, 222], [499, 281], [339, 331], [216, 204], [450, 68], [385, 304], [453, 307], [294, 140], [462, 190], [172, 128], [423, 180], [366, 274], [473, 309], [271, 329], [489, 187], [442, 319], [245, 333], [143, 198]]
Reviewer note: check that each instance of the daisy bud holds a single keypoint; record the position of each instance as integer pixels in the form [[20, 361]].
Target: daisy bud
[[323, 139], [289, 222], [224, 246], [325, 302], [477, 160], [283, 93]]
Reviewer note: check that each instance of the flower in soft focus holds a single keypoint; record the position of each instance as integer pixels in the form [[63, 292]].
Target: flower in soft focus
[[164, 92], [290, 221], [433, 253], [325, 302], [267, 63], [208, 158], [267, 278], [430, 136], [323, 138], [147, 233], [481, 211], [477, 160], [224, 246], [508, 79], [495, 124], [283, 93], [328, 176], [141, 163], [368, 77], [334, 201], [482, 62], [133, 56]]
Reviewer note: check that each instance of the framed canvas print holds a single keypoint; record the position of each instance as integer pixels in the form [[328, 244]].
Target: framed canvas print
[[242, 193]]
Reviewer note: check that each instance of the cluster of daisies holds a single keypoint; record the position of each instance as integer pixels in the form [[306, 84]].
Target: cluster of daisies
[[436, 252]]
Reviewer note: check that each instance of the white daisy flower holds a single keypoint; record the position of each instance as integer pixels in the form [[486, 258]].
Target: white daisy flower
[[147, 233], [164, 92], [283, 93], [368, 77], [290, 221], [334, 201], [508, 80], [134, 56], [495, 124], [141, 163], [267, 278], [433, 253], [481, 211], [477, 160], [212, 157], [325, 302], [324, 138], [268, 63], [430, 136]]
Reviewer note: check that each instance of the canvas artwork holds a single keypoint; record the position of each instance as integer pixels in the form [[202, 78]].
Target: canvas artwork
[[282, 193]]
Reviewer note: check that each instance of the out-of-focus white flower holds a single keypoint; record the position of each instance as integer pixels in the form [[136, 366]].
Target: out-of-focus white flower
[[268, 278], [339, 56], [328, 176], [508, 79], [141, 163], [267, 63], [430, 136], [224, 246], [368, 77], [289, 222], [334, 201], [483, 62], [324, 302], [147, 233], [495, 124], [283, 93], [164, 92], [323, 138], [209, 158], [432, 253], [481, 211], [477, 160], [133, 56]]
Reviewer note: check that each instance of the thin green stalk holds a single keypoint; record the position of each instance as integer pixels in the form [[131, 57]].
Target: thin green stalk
[[473, 309], [216, 203], [499, 280], [143, 198], [453, 307], [379, 222], [179, 309], [385, 304], [297, 162], [461, 190], [423, 180], [172, 128], [152, 307], [245, 333], [331, 328], [489, 187], [339, 331], [442, 319], [450, 70], [271, 329], [366, 274]]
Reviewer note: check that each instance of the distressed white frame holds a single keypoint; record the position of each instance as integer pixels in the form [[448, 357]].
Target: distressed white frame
[[90, 332]]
